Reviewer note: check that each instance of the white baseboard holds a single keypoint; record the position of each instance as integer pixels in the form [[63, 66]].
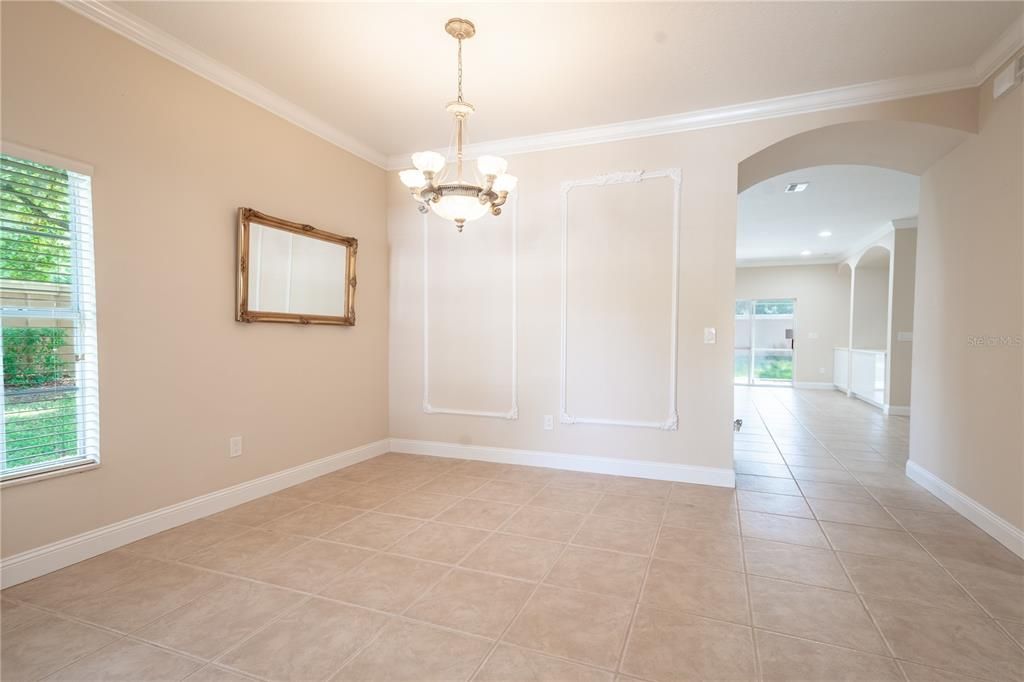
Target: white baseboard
[[896, 410], [816, 385], [865, 399], [662, 471], [999, 528], [42, 560]]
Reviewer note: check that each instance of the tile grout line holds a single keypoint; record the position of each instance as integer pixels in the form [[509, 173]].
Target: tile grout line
[[861, 596], [643, 587], [601, 492], [842, 566], [543, 581]]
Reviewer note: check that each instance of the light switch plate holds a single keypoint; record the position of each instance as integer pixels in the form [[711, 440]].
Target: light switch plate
[[235, 446], [710, 335]]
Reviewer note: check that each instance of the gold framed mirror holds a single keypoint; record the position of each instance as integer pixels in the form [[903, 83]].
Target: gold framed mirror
[[291, 272]]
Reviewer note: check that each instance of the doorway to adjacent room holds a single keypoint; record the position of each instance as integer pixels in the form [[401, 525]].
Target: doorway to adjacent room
[[764, 351]]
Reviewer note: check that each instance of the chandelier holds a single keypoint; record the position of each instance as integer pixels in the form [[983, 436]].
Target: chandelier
[[446, 192]]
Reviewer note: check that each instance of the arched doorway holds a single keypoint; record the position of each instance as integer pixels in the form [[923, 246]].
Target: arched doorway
[[863, 164]]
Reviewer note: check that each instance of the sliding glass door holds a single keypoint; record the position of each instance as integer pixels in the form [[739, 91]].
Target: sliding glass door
[[764, 341]]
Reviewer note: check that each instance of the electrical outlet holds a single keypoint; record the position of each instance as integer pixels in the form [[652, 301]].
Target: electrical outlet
[[235, 446], [549, 422], [821, 370]]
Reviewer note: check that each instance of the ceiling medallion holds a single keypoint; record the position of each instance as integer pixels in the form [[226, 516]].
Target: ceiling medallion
[[445, 191]]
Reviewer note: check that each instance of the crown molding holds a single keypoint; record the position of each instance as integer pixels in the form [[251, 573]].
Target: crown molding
[[1000, 51], [786, 262], [970, 76], [857, 250], [778, 107], [905, 223], [167, 46], [162, 43]]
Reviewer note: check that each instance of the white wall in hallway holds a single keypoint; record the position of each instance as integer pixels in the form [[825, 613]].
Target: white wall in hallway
[[822, 294]]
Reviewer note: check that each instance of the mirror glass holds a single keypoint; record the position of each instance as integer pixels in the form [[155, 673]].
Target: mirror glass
[[293, 273]]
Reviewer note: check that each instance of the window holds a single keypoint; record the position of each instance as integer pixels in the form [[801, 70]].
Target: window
[[47, 291], [764, 342]]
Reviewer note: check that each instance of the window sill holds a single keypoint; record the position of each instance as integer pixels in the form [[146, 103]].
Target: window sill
[[65, 470]]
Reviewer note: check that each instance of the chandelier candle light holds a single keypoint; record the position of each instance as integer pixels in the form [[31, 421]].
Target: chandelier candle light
[[458, 199]]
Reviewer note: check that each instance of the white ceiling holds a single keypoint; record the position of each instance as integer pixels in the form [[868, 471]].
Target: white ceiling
[[382, 72], [851, 202]]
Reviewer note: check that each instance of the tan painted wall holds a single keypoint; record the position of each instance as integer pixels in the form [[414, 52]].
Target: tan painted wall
[[901, 317], [968, 412], [709, 161], [174, 157], [822, 294], [871, 308]]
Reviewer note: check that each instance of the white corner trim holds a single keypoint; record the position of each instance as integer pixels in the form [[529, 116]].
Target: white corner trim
[[428, 407], [896, 410], [853, 254], [157, 40], [999, 528], [661, 471], [814, 385], [778, 107], [671, 421], [785, 262], [1000, 51], [905, 223], [42, 560]]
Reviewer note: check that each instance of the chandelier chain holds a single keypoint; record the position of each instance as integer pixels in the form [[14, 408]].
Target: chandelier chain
[[460, 70]]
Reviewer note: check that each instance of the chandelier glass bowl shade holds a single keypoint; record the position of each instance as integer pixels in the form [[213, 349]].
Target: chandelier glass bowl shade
[[443, 189]]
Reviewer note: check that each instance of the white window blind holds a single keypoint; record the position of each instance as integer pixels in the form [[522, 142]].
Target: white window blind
[[47, 290]]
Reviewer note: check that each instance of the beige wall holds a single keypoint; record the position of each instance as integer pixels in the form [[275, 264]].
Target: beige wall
[[709, 162], [871, 307], [969, 313], [174, 156], [901, 315], [822, 294]]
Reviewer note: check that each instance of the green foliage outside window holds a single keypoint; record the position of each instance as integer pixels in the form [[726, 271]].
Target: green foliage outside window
[[775, 368], [35, 217], [32, 356]]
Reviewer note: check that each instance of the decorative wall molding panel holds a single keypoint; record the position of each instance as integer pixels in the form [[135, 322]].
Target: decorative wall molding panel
[[661, 471], [999, 528], [671, 421], [56, 555], [430, 408]]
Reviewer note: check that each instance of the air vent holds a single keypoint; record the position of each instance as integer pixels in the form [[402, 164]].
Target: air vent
[[796, 187]]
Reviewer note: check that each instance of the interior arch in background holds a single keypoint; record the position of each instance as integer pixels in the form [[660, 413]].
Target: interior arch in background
[[905, 146]]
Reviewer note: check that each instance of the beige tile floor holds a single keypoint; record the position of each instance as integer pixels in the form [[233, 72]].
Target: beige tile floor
[[826, 563]]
